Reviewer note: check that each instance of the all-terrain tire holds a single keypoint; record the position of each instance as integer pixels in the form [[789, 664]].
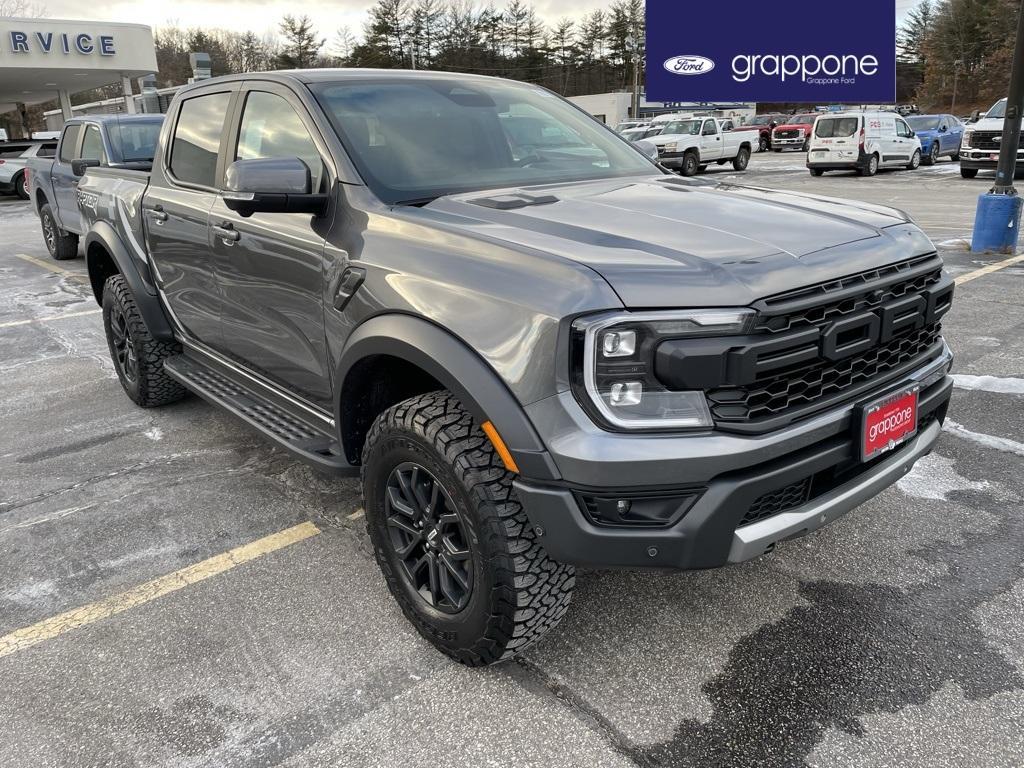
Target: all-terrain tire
[[968, 173], [61, 245], [138, 358], [518, 593]]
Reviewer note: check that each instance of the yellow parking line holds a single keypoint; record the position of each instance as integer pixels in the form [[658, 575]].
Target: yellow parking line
[[26, 637], [52, 267], [50, 318], [989, 269]]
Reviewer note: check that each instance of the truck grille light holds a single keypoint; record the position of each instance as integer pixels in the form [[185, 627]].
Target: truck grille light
[[626, 393], [618, 343]]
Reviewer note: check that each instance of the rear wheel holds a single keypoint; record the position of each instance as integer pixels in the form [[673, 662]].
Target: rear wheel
[[21, 185], [741, 160], [816, 171], [871, 168], [138, 357], [450, 536], [968, 173], [915, 161], [61, 245], [691, 164]]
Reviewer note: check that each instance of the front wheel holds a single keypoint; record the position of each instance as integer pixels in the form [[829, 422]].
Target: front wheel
[[763, 144], [741, 160], [968, 173], [691, 164], [138, 358], [915, 161], [933, 155], [452, 540], [816, 171]]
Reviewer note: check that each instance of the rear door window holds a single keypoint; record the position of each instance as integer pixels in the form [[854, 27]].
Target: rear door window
[[69, 144], [197, 137], [836, 127]]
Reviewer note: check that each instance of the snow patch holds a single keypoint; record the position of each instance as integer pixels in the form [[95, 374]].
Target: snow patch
[[996, 384], [154, 433], [989, 441], [933, 477], [957, 243]]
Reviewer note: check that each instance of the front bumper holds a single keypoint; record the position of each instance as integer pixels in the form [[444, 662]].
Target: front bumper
[[731, 472], [984, 159]]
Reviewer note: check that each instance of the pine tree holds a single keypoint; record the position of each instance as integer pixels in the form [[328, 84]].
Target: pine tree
[[301, 46]]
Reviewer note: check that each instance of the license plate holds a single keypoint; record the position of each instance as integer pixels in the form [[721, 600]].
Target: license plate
[[820, 153], [888, 422], [995, 158]]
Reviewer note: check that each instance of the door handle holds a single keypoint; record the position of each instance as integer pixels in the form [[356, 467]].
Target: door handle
[[227, 232], [158, 214]]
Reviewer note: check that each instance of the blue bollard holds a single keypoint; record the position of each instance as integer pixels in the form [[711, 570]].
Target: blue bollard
[[997, 223]]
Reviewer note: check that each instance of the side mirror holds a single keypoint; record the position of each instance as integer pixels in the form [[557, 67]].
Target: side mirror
[[942, 129], [649, 149], [271, 185], [79, 166], [975, 115]]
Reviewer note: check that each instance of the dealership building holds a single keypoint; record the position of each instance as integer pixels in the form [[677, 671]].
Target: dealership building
[[44, 60]]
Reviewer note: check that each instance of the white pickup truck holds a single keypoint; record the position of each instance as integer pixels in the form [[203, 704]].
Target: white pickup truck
[[690, 144], [979, 149]]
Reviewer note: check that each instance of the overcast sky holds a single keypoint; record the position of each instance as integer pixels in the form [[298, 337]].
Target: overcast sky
[[263, 15]]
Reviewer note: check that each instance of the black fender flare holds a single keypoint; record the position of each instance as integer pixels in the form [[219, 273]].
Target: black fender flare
[[143, 290], [459, 369]]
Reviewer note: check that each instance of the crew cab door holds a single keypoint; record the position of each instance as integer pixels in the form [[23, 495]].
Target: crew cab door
[[63, 182], [270, 265], [176, 208], [710, 141]]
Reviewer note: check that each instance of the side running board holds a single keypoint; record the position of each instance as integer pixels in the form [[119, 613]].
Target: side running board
[[306, 440]]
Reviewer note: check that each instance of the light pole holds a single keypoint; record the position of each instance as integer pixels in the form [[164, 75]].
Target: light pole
[[997, 221], [634, 44]]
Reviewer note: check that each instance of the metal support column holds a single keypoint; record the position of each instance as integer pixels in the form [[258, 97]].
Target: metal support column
[[129, 102], [65, 105]]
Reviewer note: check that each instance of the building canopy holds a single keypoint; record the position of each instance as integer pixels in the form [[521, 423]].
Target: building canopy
[[40, 58]]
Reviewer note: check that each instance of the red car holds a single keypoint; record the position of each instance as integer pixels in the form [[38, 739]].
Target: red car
[[794, 132], [763, 124]]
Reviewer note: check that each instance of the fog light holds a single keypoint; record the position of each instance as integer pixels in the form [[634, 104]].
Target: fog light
[[618, 343], [626, 393], [622, 506]]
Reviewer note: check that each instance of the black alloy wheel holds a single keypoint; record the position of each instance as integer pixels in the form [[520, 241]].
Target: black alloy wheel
[[122, 344], [429, 538]]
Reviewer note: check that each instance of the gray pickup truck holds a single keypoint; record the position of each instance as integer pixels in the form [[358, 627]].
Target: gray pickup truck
[[537, 356], [116, 141]]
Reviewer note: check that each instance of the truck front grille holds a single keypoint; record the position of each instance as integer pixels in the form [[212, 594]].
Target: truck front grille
[[788, 134], [991, 140], [818, 347]]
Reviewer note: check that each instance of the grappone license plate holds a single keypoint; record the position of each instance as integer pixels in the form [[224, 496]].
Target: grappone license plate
[[888, 422]]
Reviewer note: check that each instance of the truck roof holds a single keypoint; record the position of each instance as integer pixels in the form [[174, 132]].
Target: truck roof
[[118, 118]]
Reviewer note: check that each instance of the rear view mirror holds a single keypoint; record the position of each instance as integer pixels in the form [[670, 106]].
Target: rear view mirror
[[79, 166], [271, 185], [649, 148]]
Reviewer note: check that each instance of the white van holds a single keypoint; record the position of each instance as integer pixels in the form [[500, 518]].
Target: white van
[[862, 141]]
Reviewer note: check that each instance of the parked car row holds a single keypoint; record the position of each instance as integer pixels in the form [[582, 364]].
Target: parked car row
[[14, 159]]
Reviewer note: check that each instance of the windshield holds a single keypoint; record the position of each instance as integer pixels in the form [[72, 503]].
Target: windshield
[[134, 140], [691, 127], [836, 127], [413, 141], [924, 123], [761, 120], [998, 110], [803, 119]]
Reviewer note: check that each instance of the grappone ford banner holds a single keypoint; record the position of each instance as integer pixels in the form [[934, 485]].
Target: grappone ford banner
[[799, 57]]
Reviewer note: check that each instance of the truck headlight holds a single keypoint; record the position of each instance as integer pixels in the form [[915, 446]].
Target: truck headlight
[[670, 147], [966, 140], [613, 366]]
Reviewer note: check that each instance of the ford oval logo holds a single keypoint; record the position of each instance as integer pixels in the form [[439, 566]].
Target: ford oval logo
[[689, 65]]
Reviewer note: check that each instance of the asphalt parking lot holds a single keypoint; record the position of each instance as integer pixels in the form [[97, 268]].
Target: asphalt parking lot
[[176, 592]]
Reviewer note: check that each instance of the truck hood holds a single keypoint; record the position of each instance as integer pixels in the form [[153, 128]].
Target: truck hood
[[670, 242], [665, 138], [793, 126], [986, 124]]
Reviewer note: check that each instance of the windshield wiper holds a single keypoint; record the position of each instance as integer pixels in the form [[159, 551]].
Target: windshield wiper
[[418, 202]]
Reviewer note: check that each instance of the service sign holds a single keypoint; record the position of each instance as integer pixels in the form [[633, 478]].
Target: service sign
[[747, 51]]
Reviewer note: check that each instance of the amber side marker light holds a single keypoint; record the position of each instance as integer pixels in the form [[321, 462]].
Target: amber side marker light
[[499, 445]]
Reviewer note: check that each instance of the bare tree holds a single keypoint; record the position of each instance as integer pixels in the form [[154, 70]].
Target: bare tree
[[22, 9]]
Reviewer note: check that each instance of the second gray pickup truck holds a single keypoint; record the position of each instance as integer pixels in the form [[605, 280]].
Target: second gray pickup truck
[[537, 355], [116, 141]]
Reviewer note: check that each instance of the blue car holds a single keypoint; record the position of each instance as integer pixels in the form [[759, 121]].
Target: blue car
[[940, 135]]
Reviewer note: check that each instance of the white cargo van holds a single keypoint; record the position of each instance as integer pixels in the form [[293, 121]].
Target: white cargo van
[[862, 141]]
